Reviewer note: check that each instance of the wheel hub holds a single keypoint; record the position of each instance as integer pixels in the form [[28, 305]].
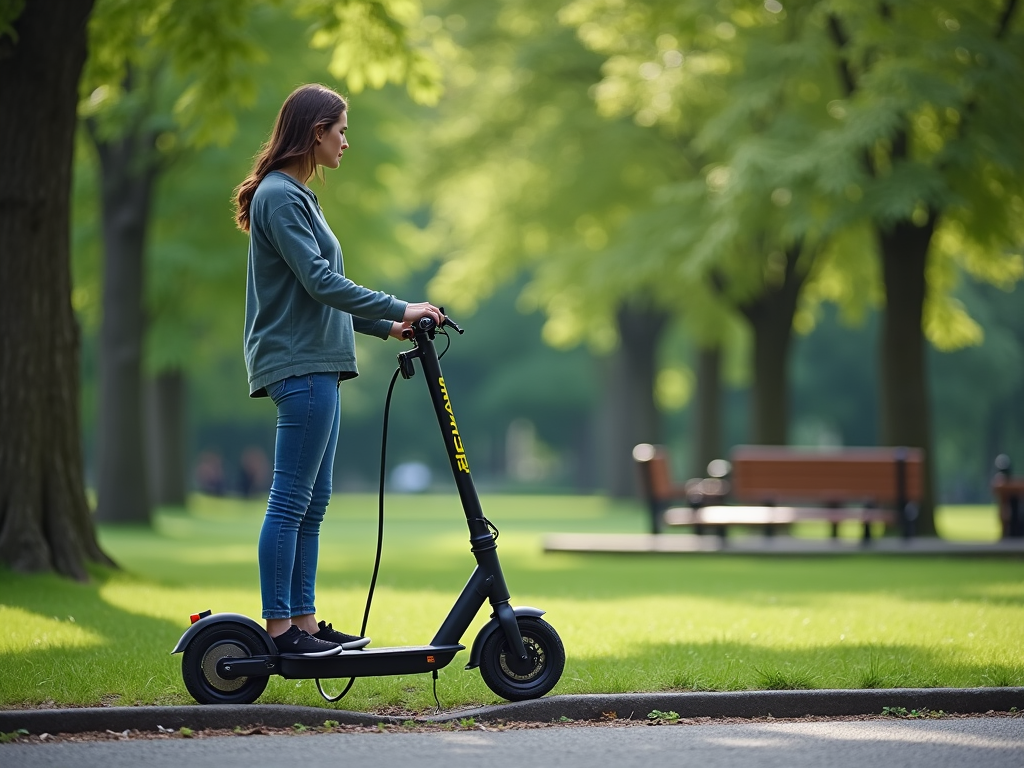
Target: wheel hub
[[518, 669], [215, 654]]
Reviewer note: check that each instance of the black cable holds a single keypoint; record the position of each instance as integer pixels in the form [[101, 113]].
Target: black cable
[[380, 501], [380, 534], [447, 338]]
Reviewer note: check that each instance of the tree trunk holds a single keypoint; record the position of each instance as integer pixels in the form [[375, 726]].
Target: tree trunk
[[44, 517], [127, 184], [165, 406], [707, 429], [771, 320], [905, 400], [629, 414]]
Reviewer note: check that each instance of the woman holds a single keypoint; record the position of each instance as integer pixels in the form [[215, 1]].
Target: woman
[[300, 314]]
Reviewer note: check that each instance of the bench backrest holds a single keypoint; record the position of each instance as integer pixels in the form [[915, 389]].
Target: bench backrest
[[656, 473], [764, 474]]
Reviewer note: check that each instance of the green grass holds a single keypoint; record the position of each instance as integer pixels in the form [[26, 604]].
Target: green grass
[[629, 623]]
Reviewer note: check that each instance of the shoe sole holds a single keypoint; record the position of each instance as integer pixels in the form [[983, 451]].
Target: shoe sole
[[355, 645], [312, 654]]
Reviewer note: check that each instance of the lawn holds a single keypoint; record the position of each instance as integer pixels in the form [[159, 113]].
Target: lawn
[[628, 622]]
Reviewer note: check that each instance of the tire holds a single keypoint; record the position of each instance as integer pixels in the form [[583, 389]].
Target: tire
[[199, 665], [542, 671]]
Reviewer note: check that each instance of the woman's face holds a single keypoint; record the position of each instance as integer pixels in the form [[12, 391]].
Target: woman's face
[[331, 143]]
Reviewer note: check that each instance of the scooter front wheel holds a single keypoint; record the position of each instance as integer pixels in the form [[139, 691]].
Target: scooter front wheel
[[513, 679], [199, 665]]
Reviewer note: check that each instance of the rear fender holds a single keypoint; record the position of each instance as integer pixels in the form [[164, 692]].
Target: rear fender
[[225, 618], [493, 626]]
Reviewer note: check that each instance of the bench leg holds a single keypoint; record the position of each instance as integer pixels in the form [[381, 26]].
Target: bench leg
[[867, 532], [835, 530], [657, 516], [909, 518]]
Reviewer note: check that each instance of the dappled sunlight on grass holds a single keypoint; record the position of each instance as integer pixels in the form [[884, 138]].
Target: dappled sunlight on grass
[[969, 523], [27, 631]]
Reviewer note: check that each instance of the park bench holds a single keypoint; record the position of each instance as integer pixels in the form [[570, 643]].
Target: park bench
[[1009, 493], [773, 486]]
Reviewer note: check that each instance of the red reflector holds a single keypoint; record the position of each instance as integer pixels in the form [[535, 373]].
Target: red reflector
[[194, 617]]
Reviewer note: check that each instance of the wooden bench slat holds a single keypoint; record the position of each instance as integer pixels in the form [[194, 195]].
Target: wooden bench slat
[[753, 515], [774, 474]]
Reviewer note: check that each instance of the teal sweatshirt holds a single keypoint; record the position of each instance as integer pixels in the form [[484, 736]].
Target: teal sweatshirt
[[300, 309]]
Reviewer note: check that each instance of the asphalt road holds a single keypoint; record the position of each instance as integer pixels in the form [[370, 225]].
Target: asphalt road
[[984, 741]]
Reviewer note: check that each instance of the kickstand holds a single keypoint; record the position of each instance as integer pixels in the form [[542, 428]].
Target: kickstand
[[436, 700]]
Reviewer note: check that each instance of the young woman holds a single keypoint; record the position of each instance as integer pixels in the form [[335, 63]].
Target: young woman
[[300, 314]]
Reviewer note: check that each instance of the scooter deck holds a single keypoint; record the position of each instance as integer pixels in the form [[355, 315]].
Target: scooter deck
[[367, 662]]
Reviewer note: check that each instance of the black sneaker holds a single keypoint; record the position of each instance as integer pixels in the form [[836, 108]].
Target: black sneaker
[[348, 642], [298, 642]]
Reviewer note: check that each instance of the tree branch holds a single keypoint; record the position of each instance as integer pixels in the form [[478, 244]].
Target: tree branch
[[1005, 19], [841, 39]]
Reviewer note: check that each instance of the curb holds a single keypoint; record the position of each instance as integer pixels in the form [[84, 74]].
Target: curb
[[740, 704]]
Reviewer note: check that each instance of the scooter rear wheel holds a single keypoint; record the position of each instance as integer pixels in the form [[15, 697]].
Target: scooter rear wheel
[[513, 680], [199, 665]]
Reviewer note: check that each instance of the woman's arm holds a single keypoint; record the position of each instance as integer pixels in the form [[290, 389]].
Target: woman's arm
[[292, 235]]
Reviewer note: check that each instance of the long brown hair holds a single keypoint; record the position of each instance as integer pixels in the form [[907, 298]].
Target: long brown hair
[[306, 109]]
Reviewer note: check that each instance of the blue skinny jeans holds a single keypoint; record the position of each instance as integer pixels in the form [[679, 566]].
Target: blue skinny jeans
[[308, 417]]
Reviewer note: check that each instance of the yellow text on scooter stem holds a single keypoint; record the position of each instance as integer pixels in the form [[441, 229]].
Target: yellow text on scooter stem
[[460, 452]]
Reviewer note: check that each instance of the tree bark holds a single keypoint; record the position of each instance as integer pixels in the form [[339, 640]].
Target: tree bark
[[44, 517], [165, 426], [905, 398], [771, 320], [128, 175], [630, 414], [707, 427]]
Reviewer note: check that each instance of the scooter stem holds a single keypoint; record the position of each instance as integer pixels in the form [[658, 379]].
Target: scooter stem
[[488, 578]]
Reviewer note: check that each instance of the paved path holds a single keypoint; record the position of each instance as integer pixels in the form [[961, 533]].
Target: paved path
[[774, 546], [990, 742]]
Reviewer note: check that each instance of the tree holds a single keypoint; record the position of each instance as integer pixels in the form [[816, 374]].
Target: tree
[[939, 156], [523, 177], [44, 517], [920, 145]]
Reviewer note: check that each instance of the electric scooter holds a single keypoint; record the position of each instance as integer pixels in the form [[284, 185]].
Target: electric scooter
[[228, 658]]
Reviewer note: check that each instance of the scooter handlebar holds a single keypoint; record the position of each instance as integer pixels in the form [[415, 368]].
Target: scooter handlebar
[[427, 323]]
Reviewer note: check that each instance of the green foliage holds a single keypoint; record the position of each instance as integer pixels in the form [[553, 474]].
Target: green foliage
[[912, 713], [10, 10], [895, 711], [803, 113], [522, 176], [206, 49], [378, 42], [658, 716], [9, 736]]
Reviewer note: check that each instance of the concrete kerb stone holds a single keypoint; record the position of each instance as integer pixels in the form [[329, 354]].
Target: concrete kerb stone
[[635, 706]]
